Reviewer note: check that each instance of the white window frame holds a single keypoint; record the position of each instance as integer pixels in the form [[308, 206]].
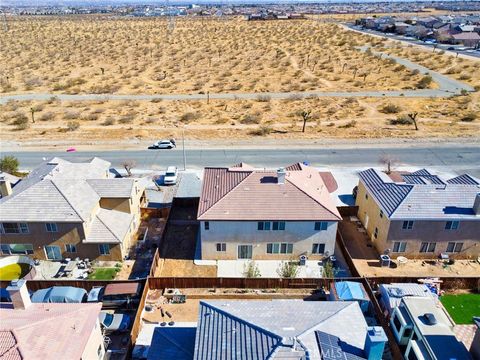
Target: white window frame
[[454, 225], [402, 244], [68, 247], [102, 252], [322, 225], [269, 226], [455, 247], [206, 225], [429, 245], [21, 226], [375, 233], [317, 246], [408, 224], [279, 248], [51, 227], [222, 246], [9, 252], [280, 225]]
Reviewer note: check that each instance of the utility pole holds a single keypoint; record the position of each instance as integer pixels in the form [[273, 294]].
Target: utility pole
[[184, 154], [5, 24]]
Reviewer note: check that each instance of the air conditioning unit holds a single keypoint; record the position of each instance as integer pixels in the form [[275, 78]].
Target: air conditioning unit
[[303, 260]]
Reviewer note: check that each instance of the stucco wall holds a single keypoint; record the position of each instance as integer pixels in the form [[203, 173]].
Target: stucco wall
[[94, 342], [301, 234]]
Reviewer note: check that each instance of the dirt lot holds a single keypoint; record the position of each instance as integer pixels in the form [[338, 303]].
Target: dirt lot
[[178, 267], [366, 259]]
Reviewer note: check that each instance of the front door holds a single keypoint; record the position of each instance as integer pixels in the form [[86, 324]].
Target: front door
[[53, 252], [245, 251]]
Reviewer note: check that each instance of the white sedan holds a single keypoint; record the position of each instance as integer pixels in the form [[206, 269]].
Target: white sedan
[[171, 176], [163, 144]]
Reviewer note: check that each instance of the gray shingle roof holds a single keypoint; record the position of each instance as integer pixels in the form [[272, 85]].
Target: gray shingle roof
[[256, 329], [109, 226], [112, 188], [421, 201], [464, 179]]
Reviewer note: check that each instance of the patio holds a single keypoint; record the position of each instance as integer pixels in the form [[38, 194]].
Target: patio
[[53, 270]]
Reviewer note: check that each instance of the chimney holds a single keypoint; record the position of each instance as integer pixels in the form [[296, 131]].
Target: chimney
[[5, 187], [375, 343], [281, 175], [19, 294], [476, 205]]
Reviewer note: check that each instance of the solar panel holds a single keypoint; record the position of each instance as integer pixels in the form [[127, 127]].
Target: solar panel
[[331, 349]]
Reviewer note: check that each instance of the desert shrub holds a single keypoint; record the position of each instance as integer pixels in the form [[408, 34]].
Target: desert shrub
[[126, 119], [389, 108], [415, 72], [70, 115], [261, 131], [288, 269], [73, 125], [264, 98], [9, 164], [469, 117], [249, 119], [189, 116], [20, 121], [156, 100], [47, 116], [91, 117], [424, 82], [251, 270], [464, 76], [108, 122], [401, 120], [348, 125]]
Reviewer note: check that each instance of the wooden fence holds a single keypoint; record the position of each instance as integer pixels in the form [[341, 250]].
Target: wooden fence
[[348, 210], [155, 263], [136, 327], [346, 255], [34, 285]]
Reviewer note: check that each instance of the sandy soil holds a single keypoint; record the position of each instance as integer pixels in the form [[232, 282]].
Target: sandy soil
[[176, 267]]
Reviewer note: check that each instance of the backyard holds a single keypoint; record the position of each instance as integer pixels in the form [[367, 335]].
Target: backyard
[[108, 273], [462, 307]]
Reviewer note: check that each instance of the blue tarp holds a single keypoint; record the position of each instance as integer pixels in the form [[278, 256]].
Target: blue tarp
[[172, 343], [59, 294], [349, 290]]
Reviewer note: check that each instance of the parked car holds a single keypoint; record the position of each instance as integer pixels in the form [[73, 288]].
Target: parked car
[[114, 322], [116, 295], [163, 144], [450, 48], [171, 176], [60, 294]]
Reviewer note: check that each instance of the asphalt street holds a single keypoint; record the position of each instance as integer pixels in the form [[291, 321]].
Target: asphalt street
[[457, 159]]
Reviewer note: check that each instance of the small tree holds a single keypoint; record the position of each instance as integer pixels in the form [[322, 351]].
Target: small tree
[[389, 161], [9, 164], [413, 116], [129, 165], [32, 111], [288, 269], [328, 271], [251, 270], [305, 116]]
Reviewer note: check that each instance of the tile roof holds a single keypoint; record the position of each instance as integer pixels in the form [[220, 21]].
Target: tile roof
[[46, 331], [256, 195], [422, 199], [254, 329], [109, 226], [112, 188]]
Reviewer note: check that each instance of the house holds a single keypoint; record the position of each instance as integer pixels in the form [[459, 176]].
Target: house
[[392, 294], [7, 182], [290, 329], [350, 291], [470, 39], [64, 209], [423, 329], [248, 213], [475, 347], [420, 214], [48, 331]]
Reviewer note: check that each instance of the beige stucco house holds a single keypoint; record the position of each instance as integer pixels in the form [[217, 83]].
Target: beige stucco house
[[49, 331], [248, 213], [419, 214], [64, 209]]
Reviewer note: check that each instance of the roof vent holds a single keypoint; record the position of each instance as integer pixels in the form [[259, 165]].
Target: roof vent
[[429, 319], [281, 175]]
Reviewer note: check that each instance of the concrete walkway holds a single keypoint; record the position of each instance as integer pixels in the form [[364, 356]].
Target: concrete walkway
[[447, 87]]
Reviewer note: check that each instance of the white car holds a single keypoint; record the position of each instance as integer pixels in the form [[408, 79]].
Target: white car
[[163, 144], [114, 322], [171, 176]]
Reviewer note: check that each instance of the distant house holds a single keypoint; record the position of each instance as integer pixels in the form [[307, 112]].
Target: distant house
[[470, 39], [285, 329], [48, 331], [64, 209], [421, 214], [423, 329], [392, 294], [247, 213], [7, 182]]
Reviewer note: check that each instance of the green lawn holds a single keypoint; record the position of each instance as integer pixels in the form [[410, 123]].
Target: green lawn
[[462, 307], [103, 274]]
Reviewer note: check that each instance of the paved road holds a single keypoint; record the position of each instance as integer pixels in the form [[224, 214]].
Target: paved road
[[447, 87], [454, 158]]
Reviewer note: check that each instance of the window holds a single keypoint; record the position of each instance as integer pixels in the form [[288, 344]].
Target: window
[[454, 247], [381, 213], [221, 247], [104, 249], [263, 225], [279, 248], [407, 225], [206, 225], [318, 248], [245, 251], [366, 196], [14, 228], [375, 233], [51, 227], [399, 246], [407, 333], [321, 225], [16, 249], [451, 225], [278, 225], [427, 247], [70, 248], [412, 355], [397, 323]]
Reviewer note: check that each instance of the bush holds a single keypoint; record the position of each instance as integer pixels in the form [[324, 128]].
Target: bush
[[108, 122], [251, 270], [401, 120], [424, 82], [348, 125], [70, 115], [288, 269], [126, 119], [9, 164], [249, 119], [469, 117], [20, 121], [73, 125], [390, 109], [47, 116], [264, 98], [189, 116], [262, 131]]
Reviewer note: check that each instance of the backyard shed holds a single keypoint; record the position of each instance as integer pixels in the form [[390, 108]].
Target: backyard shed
[[350, 291]]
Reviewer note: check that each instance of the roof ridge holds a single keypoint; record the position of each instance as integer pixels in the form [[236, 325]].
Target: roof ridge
[[350, 303], [404, 198], [303, 191], [106, 226], [46, 319], [69, 203], [229, 191]]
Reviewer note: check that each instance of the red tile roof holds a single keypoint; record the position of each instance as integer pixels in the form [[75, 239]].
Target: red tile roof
[[249, 194], [46, 331]]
